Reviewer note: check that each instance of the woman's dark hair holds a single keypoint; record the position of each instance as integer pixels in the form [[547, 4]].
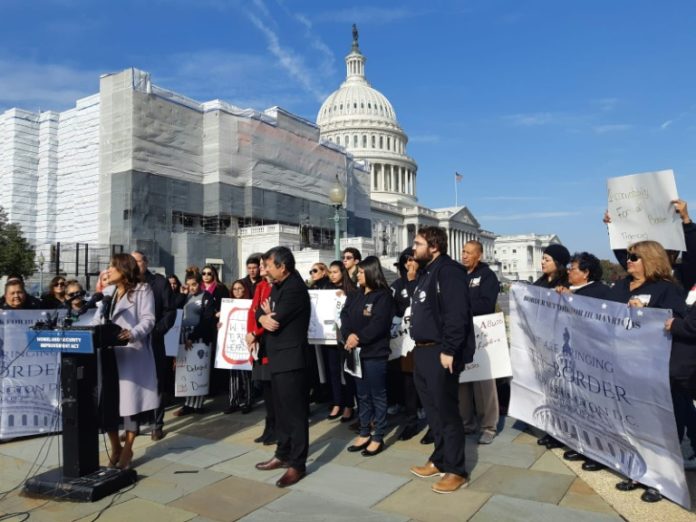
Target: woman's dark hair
[[126, 265], [347, 284], [52, 284], [246, 290], [374, 277], [589, 262], [196, 276], [214, 271], [176, 281]]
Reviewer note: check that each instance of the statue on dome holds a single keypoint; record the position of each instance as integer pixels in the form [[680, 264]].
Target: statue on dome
[[355, 35]]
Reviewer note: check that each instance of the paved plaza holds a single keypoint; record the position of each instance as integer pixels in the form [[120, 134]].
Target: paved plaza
[[204, 471]]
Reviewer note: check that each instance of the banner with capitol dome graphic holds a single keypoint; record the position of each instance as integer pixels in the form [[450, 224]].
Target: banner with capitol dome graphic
[[595, 375]]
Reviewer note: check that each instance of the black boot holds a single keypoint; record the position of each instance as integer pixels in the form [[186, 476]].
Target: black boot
[[263, 435], [428, 437], [270, 438]]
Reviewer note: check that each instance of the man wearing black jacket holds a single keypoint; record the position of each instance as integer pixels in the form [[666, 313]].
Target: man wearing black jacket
[[285, 319], [478, 401], [165, 315], [441, 326]]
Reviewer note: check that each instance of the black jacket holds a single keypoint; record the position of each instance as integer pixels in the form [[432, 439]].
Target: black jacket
[[402, 291], [661, 294], [595, 289], [205, 330], [250, 285], [221, 292], [322, 284], [545, 283], [483, 289], [682, 364], [441, 310], [165, 310], [369, 316], [287, 347]]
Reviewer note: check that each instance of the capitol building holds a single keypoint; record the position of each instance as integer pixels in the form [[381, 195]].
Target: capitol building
[[362, 120], [137, 166]]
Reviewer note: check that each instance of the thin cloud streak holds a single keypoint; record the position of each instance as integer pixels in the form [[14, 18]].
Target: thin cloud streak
[[528, 215]]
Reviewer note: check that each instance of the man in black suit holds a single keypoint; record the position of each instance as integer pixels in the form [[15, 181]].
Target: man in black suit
[[165, 315], [285, 319]]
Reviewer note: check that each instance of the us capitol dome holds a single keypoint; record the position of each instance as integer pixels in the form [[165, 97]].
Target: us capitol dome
[[362, 120]]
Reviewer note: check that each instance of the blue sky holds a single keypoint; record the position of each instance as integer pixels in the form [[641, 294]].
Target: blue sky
[[536, 103]]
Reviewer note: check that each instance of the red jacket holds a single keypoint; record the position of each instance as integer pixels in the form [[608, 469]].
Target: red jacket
[[263, 292]]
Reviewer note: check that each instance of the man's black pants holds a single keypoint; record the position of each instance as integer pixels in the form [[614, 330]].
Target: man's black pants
[[438, 390], [291, 401]]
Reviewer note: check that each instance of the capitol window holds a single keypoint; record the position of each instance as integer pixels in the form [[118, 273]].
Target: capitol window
[[355, 105], [381, 142], [355, 140], [362, 105], [388, 143], [364, 141], [369, 105], [373, 141]]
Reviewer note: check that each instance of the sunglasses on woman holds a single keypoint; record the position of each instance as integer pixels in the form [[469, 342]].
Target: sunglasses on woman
[[60, 283], [633, 258], [207, 273], [314, 271]]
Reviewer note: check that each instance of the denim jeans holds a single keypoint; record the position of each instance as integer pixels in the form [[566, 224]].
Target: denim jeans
[[372, 397]]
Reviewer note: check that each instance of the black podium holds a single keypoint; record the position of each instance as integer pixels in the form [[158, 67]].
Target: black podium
[[80, 478]]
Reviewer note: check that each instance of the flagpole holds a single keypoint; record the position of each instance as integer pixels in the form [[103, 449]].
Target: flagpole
[[456, 191]]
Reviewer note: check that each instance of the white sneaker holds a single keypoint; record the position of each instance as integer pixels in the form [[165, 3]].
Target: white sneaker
[[690, 463]]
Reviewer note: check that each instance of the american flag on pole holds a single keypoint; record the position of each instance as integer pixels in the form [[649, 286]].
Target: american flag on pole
[[458, 177]]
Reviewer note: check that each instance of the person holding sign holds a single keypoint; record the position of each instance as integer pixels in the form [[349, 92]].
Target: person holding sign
[[285, 320], [478, 401], [128, 374], [198, 323], [240, 396], [554, 263], [366, 324], [650, 284], [442, 328], [343, 396]]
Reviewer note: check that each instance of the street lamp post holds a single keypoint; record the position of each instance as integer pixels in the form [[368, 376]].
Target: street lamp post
[[337, 194], [41, 260]]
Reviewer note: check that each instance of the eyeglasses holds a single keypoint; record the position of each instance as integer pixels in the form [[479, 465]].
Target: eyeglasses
[[633, 258], [314, 271], [349, 258], [207, 273], [73, 295], [60, 283]]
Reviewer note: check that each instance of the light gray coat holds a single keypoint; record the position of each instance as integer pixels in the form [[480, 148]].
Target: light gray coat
[[135, 361]]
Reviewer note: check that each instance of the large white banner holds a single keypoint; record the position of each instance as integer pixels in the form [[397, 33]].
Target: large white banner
[[595, 375], [192, 375], [232, 352], [325, 319], [492, 356], [640, 207]]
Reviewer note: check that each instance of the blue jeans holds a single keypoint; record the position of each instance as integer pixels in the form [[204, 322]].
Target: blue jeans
[[372, 397]]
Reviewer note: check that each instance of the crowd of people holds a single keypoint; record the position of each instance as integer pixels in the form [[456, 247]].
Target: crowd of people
[[442, 296]]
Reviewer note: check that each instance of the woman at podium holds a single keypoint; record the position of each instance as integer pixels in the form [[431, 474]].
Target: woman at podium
[[128, 378]]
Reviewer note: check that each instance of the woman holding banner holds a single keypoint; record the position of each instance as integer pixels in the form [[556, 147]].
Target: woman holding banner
[[343, 395], [240, 396], [554, 274], [650, 284], [366, 326], [129, 380]]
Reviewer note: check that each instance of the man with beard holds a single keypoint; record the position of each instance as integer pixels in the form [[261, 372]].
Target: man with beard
[[442, 328]]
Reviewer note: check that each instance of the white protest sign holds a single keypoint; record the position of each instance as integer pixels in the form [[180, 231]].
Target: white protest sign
[[640, 207], [595, 375], [172, 339], [324, 318], [232, 352], [492, 356], [401, 342], [192, 377]]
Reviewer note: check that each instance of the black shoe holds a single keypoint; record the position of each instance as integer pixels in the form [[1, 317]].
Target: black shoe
[[592, 465], [247, 409], [627, 485], [572, 455], [651, 495], [334, 416], [428, 437], [259, 439], [359, 447], [349, 418], [410, 431], [231, 409], [367, 453], [543, 441], [553, 443]]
